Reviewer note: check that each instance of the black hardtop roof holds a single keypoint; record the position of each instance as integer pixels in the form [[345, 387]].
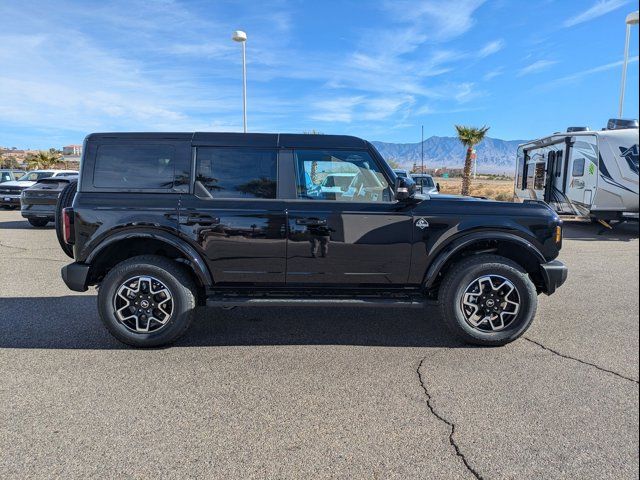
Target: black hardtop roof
[[226, 139]]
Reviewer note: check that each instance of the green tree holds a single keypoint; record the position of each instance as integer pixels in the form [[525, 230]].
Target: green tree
[[469, 137], [43, 159]]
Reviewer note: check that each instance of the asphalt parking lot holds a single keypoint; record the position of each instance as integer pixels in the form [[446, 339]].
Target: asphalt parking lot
[[306, 393]]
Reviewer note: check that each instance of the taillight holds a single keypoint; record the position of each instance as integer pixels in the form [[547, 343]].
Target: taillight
[[67, 225]]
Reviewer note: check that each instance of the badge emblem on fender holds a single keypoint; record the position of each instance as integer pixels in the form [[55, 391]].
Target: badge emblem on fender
[[421, 223]]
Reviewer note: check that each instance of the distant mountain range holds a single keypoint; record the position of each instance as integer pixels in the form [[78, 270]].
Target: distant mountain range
[[494, 155]]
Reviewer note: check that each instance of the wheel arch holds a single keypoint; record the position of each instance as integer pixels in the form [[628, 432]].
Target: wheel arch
[[505, 244], [123, 245]]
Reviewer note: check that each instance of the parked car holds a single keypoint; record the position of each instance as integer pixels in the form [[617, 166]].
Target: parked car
[[425, 183], [337, 182], [401, 172], [38, 202], [163, 223], [10, 191], [8, 175]]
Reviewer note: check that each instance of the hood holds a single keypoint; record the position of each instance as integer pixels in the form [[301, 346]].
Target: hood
[[483, 206], [16, 183]]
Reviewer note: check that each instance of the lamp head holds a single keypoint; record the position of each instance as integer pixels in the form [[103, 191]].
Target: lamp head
[[239, 36]]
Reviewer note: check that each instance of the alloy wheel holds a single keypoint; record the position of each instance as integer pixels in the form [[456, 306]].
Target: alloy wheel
[[490, 303], [143, 304]]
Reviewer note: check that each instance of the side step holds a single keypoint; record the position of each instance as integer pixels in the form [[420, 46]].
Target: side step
[[366, 302]]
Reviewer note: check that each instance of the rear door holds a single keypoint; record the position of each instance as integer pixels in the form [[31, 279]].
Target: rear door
[[233, 214], [357, 235]]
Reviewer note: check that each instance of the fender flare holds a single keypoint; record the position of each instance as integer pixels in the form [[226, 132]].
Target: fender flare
[[460, 242], [198, 264]]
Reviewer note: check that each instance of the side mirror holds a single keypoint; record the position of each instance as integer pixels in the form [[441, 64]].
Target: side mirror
[[438, 186], [405, 189]]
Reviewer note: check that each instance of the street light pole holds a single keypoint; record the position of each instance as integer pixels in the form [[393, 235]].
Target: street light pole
[[422, 150], [241, 37], [632, 19]]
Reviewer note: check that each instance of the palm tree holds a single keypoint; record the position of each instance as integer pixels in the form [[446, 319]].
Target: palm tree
[[469, 137], [42, 159]]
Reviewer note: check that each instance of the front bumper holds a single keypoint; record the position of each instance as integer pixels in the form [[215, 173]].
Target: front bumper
[[554, 274], [9, 200], [75, 276]]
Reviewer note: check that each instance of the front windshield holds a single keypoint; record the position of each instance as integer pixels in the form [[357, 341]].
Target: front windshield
[[34, 176]]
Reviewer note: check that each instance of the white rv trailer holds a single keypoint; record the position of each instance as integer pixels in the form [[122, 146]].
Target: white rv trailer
[[592, 174]]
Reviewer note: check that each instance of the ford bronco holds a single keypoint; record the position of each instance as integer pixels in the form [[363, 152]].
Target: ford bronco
[[163, 223]]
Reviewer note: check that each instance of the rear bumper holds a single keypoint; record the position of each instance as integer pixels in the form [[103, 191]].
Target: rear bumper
[[75, 276], [554, 274], [38, 211]]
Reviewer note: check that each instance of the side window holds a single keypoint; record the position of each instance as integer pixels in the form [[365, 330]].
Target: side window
[[237, 172], [134, 166], [578, 167], [6, 176], [341, 175]]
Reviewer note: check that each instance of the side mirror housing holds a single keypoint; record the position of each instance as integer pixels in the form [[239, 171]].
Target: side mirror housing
[[438, 186], [405, 189]]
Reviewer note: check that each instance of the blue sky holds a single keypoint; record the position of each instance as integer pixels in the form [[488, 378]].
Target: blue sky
[[377, 69]]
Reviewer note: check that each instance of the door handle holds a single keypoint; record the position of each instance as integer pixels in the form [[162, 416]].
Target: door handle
[[311, 222]]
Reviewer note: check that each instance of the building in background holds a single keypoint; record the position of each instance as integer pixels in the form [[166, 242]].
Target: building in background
[[72, 150]]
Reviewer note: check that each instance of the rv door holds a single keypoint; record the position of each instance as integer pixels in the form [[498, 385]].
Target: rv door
[[582, 176]]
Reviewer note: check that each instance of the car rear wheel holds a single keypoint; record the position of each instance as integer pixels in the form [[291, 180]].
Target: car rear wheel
[[488, 300], [147, 301], [38, 222], [64, 200]]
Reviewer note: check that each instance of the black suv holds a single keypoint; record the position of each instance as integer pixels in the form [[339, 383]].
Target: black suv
[[163, 223]]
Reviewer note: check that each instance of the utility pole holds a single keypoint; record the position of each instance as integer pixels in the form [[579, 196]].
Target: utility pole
[[422, 150]]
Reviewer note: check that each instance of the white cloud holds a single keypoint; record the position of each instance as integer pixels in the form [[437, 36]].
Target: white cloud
[[601, 7], [536, 67], [585, 73], [490, 75], [491, 48]]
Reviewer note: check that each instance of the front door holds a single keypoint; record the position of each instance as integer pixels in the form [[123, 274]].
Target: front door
[[345, 228], [235, 217]]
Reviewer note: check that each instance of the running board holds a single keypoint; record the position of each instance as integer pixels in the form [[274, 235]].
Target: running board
[[219, 301]]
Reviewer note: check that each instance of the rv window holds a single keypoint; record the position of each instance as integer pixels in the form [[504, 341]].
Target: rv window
[[559, 163], [538, 183], [578, 167]]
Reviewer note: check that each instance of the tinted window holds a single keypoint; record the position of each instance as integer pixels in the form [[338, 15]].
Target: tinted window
[[35, 176], [578, 167], [237, 172], [360, 179], [5, 176], [134, 166]]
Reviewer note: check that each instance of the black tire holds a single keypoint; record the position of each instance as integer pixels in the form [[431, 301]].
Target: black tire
[[38, 222], [462, 275], [64, 200], [175, 278]]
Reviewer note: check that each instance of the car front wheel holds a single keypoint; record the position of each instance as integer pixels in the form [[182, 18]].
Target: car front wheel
[[147, 301], [488, 300]]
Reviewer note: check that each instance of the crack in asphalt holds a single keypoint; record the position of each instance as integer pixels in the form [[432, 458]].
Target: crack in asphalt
[[451, 425], [568, 357], [10, 246]]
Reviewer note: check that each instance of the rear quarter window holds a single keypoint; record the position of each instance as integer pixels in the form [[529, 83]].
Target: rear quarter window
[[134, 167]]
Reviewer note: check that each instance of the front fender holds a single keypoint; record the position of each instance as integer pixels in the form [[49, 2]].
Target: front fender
[[463, 241]]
